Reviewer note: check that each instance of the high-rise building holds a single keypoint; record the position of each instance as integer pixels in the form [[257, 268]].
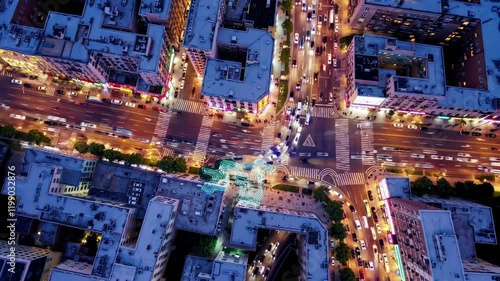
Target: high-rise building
[[408, 77], [118, 43]]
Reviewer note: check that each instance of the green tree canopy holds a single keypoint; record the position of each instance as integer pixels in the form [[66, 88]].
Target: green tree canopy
[[346, 274], [421, 186], [166, 164], [287, 25], [443, 188], [180, 165], [334, 210], [286, 6], [112, 155], [96, 148], [81, 146], [338, 231], [285, 55], [135, 158], [342, 253], [8, 131], [320, 195]]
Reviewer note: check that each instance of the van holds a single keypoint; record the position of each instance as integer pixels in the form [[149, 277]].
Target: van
[[299, 108], [365, 222]]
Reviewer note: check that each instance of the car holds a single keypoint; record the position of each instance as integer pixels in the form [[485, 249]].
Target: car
[[85, 124], [351, 207], [21, 117], [336, 28], [491, 135], [142, 106], [269, 248], [17, 82], [298, 85], [137, 189], [386, 260], [437, 157], [185, 67], [370, 264], [294, 63], [360, 261], [412, 127], [335, 46], [33, 77], [476, 134], [27, 85], [353, 253], [398, 125], [59, 92], [156, 108], [370, 195], [73, 94], [332, 260], [329, 58], [301, 46], [320, 20], [261, 259], [463, 154], [375, 249], [309, 16], [465, 133], [117, 102], [358, 252], [332, 244], [363, 244], [381, 244], [184, 75], [354, 237], [313, 30], [296, 38], [182, 84], [375, 217], [266, 272], [50, 123], [339, 196], [334, 61], [357, 224], [308, 35], [416, 155], [130, 104], [304, 8], [318, 50], [43, 89]]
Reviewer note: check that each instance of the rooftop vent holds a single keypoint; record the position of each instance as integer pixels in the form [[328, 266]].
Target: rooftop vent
[[234, 39]]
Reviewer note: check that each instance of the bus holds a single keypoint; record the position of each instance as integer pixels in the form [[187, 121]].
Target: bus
[[332, 18], [123, 131]]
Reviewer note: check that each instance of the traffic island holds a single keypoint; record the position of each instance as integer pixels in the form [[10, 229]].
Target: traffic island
[[286, 187]]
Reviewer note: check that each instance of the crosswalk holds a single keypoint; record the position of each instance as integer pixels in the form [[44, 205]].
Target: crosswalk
[[304, 172], [324, 112], [342, 144], [189, 106], [6, 73], [367, 143], [268, 136], [161, 126], [50, 91], [350, 179], [200, 150]]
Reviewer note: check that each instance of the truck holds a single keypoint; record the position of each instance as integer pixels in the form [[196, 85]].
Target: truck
[[332, 18]]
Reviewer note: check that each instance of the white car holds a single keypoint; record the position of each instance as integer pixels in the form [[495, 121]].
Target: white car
[[117, 102], [412, 127], [332, 260], [463, 154], [130, 104], [336, 28], [85, 124], [334, 62], [73, 94], [416, 155], [398, 125], [363, 245], [304, 7], [335, 46], [377, 226], [296, 138], [313, 30], [338, 194], [371, 265], [3, 105], [448, 158], [437, 157], [329, 58], [430, 151], [424, 165], [17, 116], [42, 88], [310, 7], [386, 260], [494, 159], [17, 82], [296, 40], [336, 19], [182, 84]]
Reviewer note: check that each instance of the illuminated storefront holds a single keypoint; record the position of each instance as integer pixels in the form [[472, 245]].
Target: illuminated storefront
[[262, 103], [368, 102]]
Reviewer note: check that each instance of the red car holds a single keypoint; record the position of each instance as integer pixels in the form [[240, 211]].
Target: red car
[[361, 274], [156, 108]]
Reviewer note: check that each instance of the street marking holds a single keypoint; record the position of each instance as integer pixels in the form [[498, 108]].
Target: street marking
[[309, 142]]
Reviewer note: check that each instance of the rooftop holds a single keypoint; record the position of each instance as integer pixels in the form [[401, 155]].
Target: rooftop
[[224, 267], [158, 8], [248, 80], [415, 68], [470, 214], [247, 219], [199, 211], [395, 187], [195, 267], [419, 5], [442, 245], [201, 24]]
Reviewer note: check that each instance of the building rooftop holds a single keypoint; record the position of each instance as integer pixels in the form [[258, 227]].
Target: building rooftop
[[158, 8], [196, 267], [442, 245], [201, 24], [416, 68], [480, 269], [225, 267], [248, 219], [198, 211], [468, 214], [248, 80], [419, 5], [261, 13], [395, 187]]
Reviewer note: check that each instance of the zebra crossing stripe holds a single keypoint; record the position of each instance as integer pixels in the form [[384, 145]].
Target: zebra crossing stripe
[[161, 126], [189, 106], [350, 179], [200, 149], [268, 137], [342, 145], [367, 143], [304, 172]]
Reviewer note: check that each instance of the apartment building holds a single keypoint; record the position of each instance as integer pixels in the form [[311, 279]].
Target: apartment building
[[408, 77], [471, 61], [225, 266], [117, 43], [431, 243]]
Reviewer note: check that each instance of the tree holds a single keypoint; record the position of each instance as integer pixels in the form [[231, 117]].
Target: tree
[[421, 186], [346, 274], [96, 148], [135, 158], [81, 146], [287, 25], [8, 131], [338, 231], [443, 188], [342, 253], [485, 190], [334, 210], [166, 164], [179, 165], [286, 6], [319, 195], [112, 155], [285, 55]]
